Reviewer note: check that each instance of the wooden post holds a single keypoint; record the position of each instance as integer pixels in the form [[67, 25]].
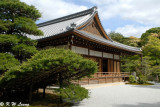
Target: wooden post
[[112, 77], [105, 78], [98, 80], [113, 63], [88, 81]]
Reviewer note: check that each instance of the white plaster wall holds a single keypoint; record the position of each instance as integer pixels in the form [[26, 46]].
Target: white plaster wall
[[62, 46], [95, 53], [80, 50], [110, 55], [105, 55], [116, 57]]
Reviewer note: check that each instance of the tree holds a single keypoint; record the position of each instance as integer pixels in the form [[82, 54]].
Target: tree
[[117, 37], [51, 66], [130, 63], [17, 20], [156, 72], [151, 32], [152, 50], [131, 41]]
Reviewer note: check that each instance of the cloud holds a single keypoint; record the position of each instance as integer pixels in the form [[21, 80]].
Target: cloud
[[52, 9], [141, 11], [108, 30], [131, 30]]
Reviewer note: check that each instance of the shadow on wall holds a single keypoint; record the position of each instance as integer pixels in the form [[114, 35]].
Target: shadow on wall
[[140, 105]]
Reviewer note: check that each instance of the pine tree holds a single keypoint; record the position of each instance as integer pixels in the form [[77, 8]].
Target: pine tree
[[17, 20]]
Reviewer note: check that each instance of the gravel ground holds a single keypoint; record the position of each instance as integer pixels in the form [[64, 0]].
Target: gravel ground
[[123, 96]]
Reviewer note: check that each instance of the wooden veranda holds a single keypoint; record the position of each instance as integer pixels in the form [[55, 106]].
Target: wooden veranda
[[104, 77]]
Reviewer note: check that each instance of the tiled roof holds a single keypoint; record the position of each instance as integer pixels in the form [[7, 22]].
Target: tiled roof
[[64, 24], [108, 42]]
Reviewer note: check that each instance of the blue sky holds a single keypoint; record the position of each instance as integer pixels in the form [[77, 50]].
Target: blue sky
[[128, 17]]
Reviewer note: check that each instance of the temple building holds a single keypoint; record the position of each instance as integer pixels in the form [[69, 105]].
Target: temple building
[[84, 34]]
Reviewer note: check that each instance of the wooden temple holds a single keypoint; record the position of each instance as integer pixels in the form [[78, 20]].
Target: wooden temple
[[84, 34]]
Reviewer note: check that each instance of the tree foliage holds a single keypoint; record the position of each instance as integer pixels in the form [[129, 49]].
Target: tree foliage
[[73, 93], [47, 67], [130, 63], [7, 61], [17, 19], [117, 37], [132, 79], [152, 49], [151, 32], [131, 41]]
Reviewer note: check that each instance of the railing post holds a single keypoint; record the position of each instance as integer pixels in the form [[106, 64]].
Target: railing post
[[112, 77], [119, 77], [105, 78]]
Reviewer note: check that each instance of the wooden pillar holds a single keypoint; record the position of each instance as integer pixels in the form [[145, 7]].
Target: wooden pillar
[[120, 62], [113, 63], [88, 81]]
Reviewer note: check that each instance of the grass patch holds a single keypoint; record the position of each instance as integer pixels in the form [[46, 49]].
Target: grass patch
[[140, 84]]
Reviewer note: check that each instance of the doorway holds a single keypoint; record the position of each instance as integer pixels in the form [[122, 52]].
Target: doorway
[[105, 65]]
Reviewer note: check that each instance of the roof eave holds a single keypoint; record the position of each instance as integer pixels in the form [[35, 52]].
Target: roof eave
[[82, 35]]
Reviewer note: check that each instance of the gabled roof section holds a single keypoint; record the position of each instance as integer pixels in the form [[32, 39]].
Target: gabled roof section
[[66, 23], [95, 27]]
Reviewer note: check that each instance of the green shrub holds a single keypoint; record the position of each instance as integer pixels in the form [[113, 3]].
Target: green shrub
[[73, 93], [132, 79], [142, 79]]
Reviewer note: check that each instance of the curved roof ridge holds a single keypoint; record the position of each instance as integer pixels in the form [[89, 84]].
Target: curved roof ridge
[[75, 15], [85, 20]]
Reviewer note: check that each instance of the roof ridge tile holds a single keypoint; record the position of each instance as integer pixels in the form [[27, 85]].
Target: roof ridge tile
[[64, 18]]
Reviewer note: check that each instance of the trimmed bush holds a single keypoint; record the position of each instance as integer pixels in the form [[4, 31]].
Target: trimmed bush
[[132, 79]]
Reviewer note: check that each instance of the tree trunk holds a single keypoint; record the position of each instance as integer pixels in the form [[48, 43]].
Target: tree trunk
[[44, 92], [60, 86], [30, 94], [37, 91]]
